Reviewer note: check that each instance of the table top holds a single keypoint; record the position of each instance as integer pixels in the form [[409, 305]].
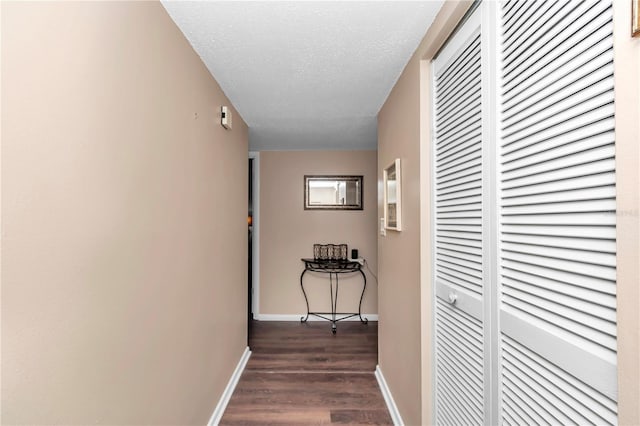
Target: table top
[[331, 265]]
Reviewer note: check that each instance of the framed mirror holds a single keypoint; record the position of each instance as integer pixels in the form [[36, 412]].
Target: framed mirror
[[327, 192], [392, 197]]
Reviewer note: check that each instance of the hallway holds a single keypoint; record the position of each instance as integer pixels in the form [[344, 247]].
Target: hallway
[[302, 374], [509, 293]]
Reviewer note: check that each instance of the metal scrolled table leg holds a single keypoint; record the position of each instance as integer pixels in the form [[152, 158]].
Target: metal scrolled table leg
[[334, 306], [304, 319], [364, 287]]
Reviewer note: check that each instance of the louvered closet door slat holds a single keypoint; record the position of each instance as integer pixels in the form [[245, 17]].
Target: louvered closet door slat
[[564, 32], [469, 205], [580, 69], [458, 240], [586, 132], [459, 371], [571, 184], [582, 270], [453, 73], [575, 254], [598, 409], [572, 123], [561, 148], [572, 243], [586, 230], [467, 130], [459, 123], [455, 347], [567, 319], [454, 79], [471, 157], [575, 158], [459, 175], [575, 78], [453, 102], [562, 294], [458, 230], [544, 13], [459, 213], [461, 144], [602, 192], [596, 292], [460, 254], [558, 208], [460, 156], [462, 176], [602, 288], [508, 6], [459, 248], [603, 165], [554, 112], [557, 214]]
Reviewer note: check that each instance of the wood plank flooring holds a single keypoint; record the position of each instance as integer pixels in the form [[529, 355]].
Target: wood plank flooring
[[300, 373]]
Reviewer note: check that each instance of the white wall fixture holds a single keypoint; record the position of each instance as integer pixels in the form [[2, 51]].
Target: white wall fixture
[[225, 117]]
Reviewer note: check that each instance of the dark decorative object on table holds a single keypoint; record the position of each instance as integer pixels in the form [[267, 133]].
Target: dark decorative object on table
[[330, 251]]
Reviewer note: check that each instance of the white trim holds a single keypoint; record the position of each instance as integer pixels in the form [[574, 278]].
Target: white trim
[[228, 391], [388, 398], [490, 71], [255, 235], [457, 40], [432, 242], [426, 328], [296, 318]]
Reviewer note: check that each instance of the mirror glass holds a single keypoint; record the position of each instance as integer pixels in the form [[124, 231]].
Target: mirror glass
[[392, 200], [324, 192], [392, 196]]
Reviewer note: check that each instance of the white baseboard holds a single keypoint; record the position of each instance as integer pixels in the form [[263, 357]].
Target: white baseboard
[[287, 317], [388, 398], [228, 391]]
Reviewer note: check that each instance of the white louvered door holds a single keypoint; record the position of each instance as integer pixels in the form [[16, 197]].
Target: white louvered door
[[524, 207], [460, 375], [557, 239]]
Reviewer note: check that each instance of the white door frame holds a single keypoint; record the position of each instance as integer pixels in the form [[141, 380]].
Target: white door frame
[[255, 235]]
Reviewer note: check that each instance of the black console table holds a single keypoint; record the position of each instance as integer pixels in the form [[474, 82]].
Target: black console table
[[334, 268]]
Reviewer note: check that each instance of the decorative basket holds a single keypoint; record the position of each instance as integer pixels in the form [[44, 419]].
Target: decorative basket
[[330, 251]]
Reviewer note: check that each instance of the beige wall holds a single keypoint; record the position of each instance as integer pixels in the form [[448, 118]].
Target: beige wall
[[123, 220], [404, 338], [399, 252], [288, 232], [404, 132]]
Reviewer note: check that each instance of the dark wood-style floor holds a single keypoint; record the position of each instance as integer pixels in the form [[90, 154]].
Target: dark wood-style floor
[[300, 373]]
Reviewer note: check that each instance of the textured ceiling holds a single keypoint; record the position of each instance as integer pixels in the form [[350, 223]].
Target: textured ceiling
[[306, 74]]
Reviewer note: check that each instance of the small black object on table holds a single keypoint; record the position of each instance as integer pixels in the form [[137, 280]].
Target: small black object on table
[[334, 268]]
